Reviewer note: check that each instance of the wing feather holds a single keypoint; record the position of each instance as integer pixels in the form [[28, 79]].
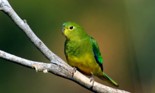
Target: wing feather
[[97, 53]]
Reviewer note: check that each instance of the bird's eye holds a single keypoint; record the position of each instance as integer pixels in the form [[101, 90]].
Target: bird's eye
[[71, 27]]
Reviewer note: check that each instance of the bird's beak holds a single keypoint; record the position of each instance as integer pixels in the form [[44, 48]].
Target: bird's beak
[[63, 27], [63, 30]]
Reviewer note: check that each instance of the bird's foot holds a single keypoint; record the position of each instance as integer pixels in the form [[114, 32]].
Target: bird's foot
[[92, 80], [74, 70]]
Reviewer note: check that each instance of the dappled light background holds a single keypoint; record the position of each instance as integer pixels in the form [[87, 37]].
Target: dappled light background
[[124, 30]]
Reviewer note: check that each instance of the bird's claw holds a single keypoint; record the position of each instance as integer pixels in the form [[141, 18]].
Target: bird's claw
[[92, 80], [74, 70]]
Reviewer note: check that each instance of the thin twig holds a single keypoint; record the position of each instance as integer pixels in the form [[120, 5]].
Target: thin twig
[[57, 65]]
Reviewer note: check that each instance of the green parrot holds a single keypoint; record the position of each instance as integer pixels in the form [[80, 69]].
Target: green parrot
[[82, 51]]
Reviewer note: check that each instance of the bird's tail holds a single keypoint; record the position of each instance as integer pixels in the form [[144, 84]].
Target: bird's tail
[[110, 79]]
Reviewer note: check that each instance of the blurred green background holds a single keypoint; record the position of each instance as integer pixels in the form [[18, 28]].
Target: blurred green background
[[124, 29]]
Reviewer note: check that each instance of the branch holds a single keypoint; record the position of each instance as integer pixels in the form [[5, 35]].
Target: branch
[[61, 71], [57, 65]]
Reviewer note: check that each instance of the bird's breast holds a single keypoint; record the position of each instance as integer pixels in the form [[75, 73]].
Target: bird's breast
[[80, 55]]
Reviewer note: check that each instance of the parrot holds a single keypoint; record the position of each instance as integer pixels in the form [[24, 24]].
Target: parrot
[[82, 52]]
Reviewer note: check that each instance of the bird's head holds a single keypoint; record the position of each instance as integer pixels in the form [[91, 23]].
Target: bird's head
[[72, 31]]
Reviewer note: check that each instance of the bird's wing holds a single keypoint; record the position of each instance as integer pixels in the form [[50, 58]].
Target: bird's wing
[[97, 53]]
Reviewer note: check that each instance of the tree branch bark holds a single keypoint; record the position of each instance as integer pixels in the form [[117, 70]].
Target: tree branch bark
[[57, 65]]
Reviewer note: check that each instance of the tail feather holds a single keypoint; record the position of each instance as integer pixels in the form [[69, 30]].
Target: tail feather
[[110, 79]]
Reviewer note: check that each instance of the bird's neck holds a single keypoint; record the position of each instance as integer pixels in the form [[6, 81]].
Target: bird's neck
[[78, 38]]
